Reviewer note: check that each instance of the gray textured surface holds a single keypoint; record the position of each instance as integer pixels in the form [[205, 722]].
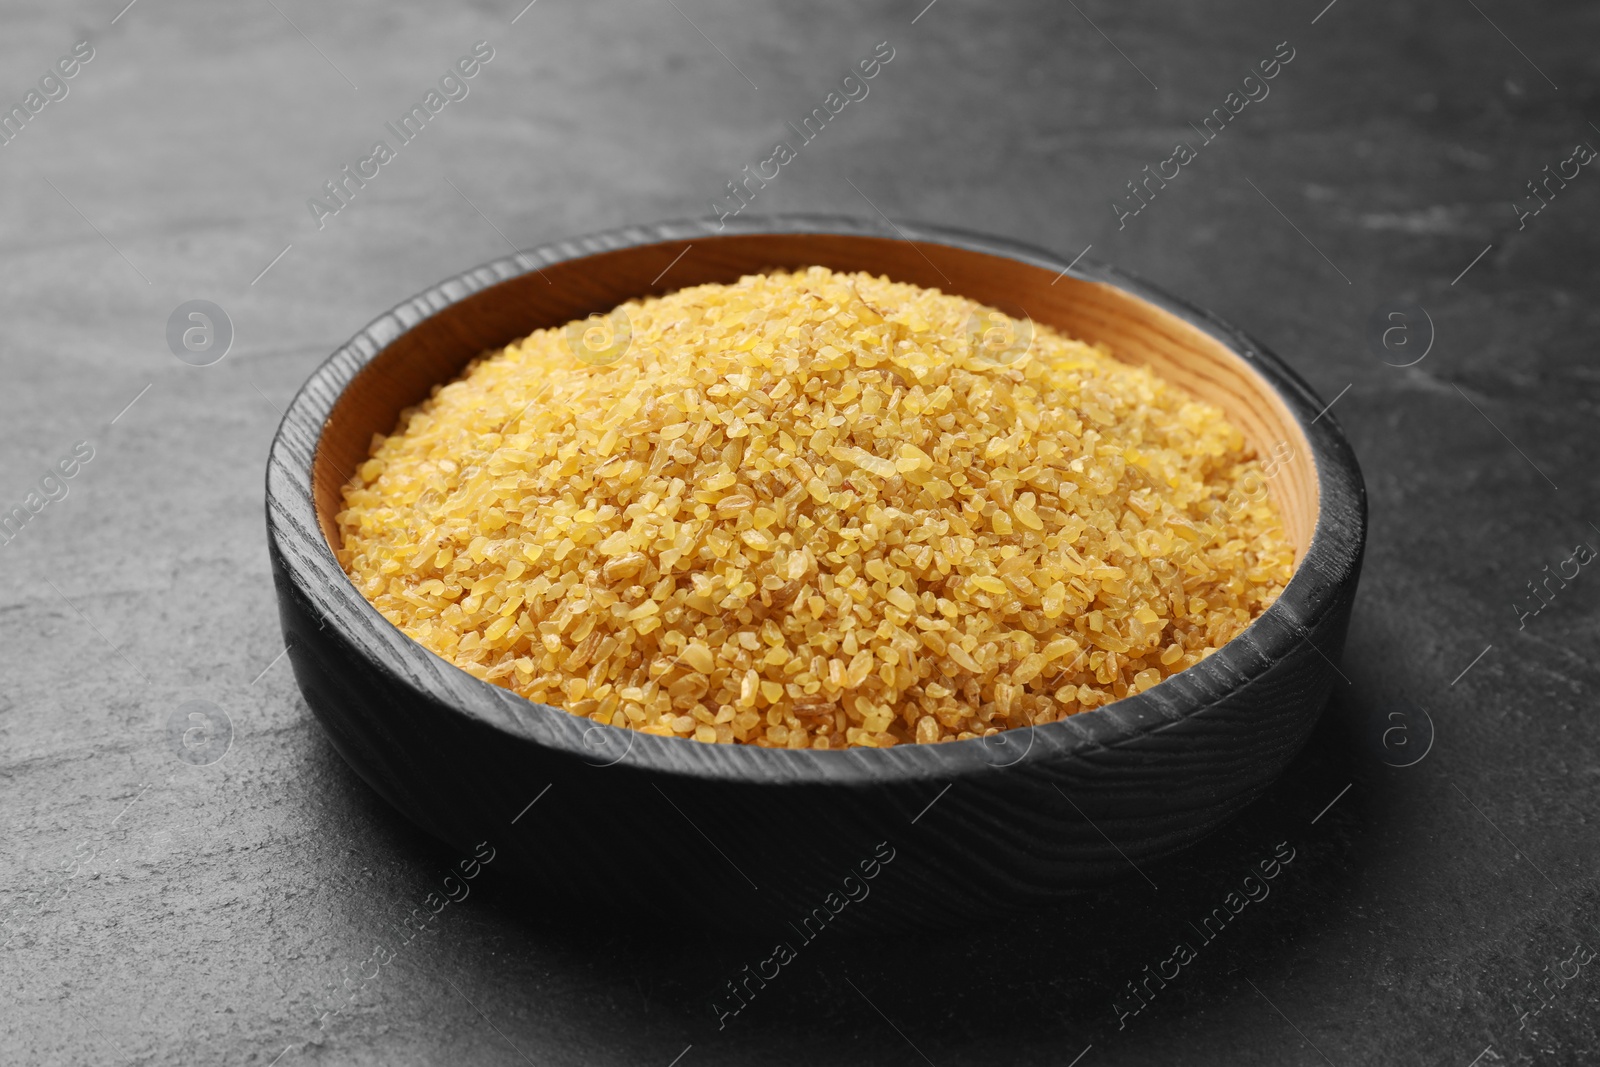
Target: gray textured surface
[[161, 912]]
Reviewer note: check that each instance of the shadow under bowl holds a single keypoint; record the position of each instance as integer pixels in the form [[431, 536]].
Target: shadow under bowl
[[730, 834]]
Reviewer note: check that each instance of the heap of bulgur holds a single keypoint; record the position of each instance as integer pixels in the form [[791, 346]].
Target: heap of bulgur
[[814, 510]]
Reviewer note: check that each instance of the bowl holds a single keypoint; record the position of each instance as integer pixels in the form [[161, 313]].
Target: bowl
[[718, 835]]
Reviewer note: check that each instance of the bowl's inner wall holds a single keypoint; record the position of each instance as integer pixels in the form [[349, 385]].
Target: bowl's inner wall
[[1138, 332]]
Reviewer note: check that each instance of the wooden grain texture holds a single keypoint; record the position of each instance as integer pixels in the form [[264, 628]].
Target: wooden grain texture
[[659, 824]]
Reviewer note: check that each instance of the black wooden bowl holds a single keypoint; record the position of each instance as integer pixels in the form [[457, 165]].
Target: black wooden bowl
[[713, 834]]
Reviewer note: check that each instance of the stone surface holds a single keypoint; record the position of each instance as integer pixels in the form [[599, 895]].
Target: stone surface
[[161, 911]]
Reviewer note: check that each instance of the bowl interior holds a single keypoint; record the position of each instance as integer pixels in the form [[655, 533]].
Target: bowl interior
[[1138, 332]]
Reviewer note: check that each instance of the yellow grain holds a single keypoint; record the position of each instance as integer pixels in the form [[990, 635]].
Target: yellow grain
[[804, 511]]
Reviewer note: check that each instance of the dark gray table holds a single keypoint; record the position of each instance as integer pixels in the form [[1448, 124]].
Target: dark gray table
[[157, 911]]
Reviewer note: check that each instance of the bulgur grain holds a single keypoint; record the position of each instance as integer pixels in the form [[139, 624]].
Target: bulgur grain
[[815, 510]]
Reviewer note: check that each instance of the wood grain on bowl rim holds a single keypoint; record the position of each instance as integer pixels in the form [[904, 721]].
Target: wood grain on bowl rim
[[1244, 689]]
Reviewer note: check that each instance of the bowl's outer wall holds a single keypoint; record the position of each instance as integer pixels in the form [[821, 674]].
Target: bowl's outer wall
[[1052, 822], [668, 826]]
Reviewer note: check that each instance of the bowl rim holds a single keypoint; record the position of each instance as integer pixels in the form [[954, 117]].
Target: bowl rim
[[298, 545]]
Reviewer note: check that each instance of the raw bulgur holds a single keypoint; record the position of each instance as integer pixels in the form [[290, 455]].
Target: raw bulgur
[[814, 510]]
